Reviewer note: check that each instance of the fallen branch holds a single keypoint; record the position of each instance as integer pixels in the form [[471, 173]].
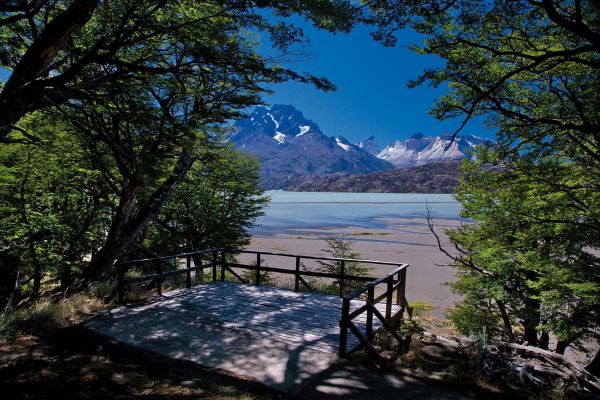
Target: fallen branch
[[564, 366]]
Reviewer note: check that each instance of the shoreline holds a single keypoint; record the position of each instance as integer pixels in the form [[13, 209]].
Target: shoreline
[[403, 240]]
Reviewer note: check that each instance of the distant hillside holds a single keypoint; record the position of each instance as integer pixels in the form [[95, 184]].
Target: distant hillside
[[438, 177]]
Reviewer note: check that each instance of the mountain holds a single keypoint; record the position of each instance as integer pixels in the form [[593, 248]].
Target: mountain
[[369, 145], [437, 177], [420, 149], [290, 147]]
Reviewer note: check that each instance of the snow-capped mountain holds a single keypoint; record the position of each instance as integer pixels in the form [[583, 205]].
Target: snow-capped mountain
[[290, 146], [420, 149], [369, 145]]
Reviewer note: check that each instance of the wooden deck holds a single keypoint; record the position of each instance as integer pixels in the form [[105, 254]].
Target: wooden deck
[[302, 319], [286, 340]]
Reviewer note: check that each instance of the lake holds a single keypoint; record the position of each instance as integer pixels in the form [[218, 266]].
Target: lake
[[380, 226], [290, 210]]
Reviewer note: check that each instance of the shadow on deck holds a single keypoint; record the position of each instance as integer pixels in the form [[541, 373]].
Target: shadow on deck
[[291, 341], [278, 337]]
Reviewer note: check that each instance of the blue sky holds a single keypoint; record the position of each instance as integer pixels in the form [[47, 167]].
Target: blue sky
[[372, 96]]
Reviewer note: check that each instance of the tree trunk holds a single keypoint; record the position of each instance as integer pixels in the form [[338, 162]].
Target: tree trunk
[[126, 227], [117, 240], [561, 346], [531, 321], [505, 321], [594, 367], [544, 340], [66, 277], [13, 300], [37, 281], [37, 270]]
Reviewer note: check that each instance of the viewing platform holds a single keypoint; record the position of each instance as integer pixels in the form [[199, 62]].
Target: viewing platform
[[283, 338]]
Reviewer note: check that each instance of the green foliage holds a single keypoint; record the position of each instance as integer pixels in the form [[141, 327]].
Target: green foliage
[[52, 202], [529, 254], [338, 247], [68, 50], [470, 317], [212, 208], [528, 264]]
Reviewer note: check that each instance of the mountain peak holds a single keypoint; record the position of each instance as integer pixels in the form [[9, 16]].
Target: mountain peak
[[290, 146], [369, 145], [278, 121], [420, 149]]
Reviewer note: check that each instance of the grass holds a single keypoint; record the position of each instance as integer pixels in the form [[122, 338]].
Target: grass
[[46, 316]]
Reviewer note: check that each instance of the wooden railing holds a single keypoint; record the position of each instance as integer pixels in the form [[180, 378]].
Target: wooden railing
[[394, 283]]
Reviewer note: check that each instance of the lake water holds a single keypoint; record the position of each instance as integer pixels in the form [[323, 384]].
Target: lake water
[[297, 210]]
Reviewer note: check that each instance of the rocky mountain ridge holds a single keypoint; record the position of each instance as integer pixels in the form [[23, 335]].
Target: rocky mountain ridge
[[290, 146], [420, 149], [295, 155]]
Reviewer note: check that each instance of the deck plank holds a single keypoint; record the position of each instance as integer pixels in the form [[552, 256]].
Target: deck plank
[[307, 319]]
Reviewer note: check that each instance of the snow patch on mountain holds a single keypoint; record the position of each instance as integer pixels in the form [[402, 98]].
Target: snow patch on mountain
[[280, 137], [369, 145], [303, 129], [420, 149], [274, 121], [342, 144]]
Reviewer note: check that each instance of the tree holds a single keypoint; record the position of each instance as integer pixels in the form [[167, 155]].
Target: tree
[[144, 84], [516, 268], [337, 247], [532, 69], [52, 205], [63, 51], [212, 208]]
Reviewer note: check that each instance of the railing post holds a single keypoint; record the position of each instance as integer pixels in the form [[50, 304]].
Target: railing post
[[214, 265], [401, 292], [342, 282], [159, 279], [201, 270], [188, 273], [120, 278], [370, 300], [389, 291], [398, 289], [257, 276], [297, 275], [222, 265], [344, 327]]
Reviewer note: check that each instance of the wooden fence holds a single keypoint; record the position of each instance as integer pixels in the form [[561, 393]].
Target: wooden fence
[[392, 283]]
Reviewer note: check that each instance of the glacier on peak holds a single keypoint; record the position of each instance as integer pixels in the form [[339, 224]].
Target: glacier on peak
[[420, 149], [303, 129], [343, 145], [280, 137]]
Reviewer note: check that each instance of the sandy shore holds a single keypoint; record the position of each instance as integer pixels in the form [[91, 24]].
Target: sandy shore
[[402, 241]]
